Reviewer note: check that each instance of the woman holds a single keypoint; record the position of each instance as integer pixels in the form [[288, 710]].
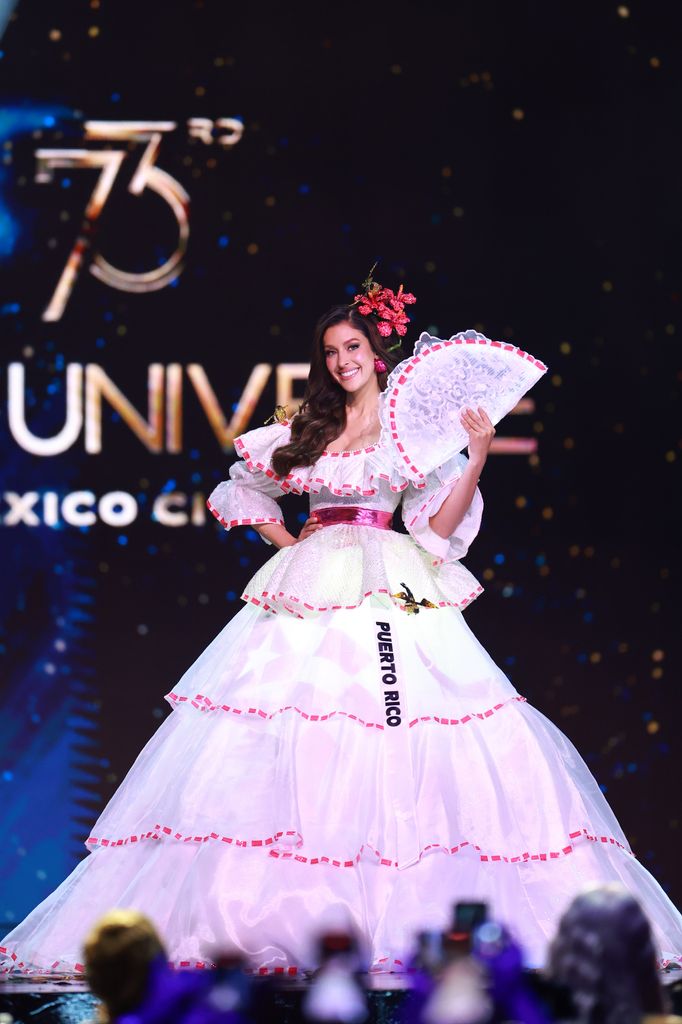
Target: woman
[[345, 750]]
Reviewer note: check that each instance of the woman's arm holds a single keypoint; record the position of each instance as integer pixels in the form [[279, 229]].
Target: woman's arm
[[452, 511], [280, 536]]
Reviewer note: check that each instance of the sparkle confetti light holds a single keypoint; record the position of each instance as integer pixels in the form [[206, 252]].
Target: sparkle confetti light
[[180, 198]]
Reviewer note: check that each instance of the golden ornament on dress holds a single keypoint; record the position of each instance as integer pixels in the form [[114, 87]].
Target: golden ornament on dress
[[411, 605]]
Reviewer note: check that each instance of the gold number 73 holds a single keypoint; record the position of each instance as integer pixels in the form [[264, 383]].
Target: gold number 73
[[146, 176]]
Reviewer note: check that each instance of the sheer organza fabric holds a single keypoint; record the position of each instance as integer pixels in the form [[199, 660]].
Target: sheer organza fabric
[[281, 794], [276, 798]]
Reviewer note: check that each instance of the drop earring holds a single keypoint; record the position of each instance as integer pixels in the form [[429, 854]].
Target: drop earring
[[379, 365]]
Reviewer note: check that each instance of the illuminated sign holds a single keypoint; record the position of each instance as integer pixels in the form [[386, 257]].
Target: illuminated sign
[[225, 132]]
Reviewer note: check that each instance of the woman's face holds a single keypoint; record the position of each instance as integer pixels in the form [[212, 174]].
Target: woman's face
[[349, 357]]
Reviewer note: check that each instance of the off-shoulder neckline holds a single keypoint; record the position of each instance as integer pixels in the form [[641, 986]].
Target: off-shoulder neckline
[[353, 451], [345, 451]]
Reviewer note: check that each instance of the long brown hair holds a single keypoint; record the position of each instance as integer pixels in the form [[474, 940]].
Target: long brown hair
[[322, 415]]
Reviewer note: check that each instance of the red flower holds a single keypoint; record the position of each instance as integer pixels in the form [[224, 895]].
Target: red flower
[[388, 307]]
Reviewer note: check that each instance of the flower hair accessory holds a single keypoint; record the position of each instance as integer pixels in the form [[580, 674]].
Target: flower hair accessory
[[388, 307]]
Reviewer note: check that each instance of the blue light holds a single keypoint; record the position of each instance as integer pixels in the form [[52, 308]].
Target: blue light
[[540, 559], [243, 561], [100, 342], [287, 302], [11, 307], [169, 486], [588, 616], [224, 241], [304, 189], [152, 549], [498, 559], [66, 182], [8, 776], [49, 121], [122, 540], [230, 595], [196, 478], [350, 289], [115, 97]]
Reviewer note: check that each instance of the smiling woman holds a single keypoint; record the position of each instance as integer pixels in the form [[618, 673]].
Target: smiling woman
[[340, 408], [346, 748]]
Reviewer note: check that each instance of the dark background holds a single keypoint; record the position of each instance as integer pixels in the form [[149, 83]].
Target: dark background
[[517, 166]]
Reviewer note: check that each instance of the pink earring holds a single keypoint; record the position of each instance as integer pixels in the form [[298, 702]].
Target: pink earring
[[379, 365]]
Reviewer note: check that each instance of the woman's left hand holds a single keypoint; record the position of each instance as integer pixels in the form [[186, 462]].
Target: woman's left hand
[[481, 433]]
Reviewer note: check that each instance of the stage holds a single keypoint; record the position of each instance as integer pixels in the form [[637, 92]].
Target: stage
[[181, 198], [68, 1000]]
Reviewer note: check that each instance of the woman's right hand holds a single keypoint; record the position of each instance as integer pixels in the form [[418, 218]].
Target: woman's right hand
[[311, 526]]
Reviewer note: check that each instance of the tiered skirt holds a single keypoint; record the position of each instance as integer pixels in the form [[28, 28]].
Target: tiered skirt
[[360, 767]]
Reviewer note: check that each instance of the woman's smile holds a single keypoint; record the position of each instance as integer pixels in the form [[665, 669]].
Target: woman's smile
[[347, 374]]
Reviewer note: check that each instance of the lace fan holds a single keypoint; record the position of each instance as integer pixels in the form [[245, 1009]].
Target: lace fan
[[426, 393]]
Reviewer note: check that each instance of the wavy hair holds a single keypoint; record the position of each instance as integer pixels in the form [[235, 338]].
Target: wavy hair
[[322, 415], [604, 955]]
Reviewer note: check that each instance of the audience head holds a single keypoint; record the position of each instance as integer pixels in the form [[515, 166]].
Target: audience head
[[119, 952], [604, 954]]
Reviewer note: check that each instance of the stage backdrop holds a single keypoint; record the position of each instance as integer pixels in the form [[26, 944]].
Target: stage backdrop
[[184, 188]]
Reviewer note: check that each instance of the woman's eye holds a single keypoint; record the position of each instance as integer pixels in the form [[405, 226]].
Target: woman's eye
[[351, 347]]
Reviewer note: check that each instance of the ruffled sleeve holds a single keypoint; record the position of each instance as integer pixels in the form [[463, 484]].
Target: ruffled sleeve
[[249, 497], [419, 504]]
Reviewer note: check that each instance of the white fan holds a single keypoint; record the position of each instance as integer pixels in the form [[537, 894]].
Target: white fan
[[426, 394]]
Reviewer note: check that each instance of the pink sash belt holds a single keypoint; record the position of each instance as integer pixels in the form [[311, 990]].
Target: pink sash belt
[[354, 515]]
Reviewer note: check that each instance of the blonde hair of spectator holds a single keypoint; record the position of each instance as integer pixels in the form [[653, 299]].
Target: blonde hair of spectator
[[118, 953]]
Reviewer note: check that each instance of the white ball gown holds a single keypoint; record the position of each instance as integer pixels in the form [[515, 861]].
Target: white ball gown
[[333, 755]]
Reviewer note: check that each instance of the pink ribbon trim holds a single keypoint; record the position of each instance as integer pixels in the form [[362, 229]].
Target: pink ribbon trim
[[380, 966], [301, 486], [296, 840], [201, 703], [267, 600], [229, 523]]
